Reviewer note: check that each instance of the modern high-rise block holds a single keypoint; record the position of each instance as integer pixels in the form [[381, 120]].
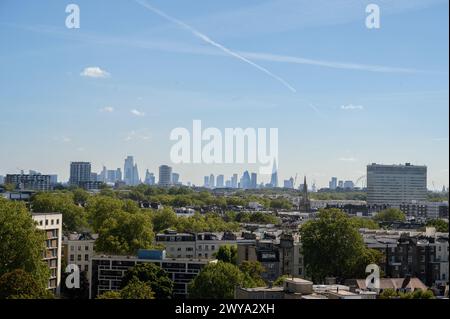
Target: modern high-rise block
[[274, 176], [80, 172], [234, 181], [149, 178], [51, 224], [175, 179], [35, 182], [220, 181], [396, 184], [206, 181], [212, 182], [165, 176], [253, 181], [131, 173], [333, 183]]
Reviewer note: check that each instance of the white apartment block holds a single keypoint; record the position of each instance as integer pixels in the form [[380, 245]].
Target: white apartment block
[[396, 184], [187, 245], [51, 224], [78, 249]]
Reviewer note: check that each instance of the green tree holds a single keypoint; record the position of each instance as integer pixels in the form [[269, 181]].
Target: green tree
[[20, 284], [136, 289], [21, 243], [360, 222], [125, 233], [390, 215], [74, 217], [216, 281], [100, 208], [280, 280], [164, 219], [440, 225], [280, 203], [110, 295], [252, 271], [80, 196], [332, 247], [152, 275], [227, 254], [388, 294]]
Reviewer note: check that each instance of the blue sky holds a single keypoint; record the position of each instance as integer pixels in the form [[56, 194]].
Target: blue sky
[[396, 76]]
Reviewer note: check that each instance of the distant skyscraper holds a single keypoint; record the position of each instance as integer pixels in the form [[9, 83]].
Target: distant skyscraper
[[206, 181], [220, 181], [396, 184], [349, 185], [245, 180], [165, 176], [234, 181], [228, 184], [53, 179], [274, 177], [333, 183], [212, 182], [254, 181], [2, 180], [175, 178], [149, 178], [288, 183], [80, 172], [131, 172], [103, 176]]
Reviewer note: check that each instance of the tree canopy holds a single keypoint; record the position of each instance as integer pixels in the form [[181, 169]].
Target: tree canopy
[[390, 215], [332, 247]]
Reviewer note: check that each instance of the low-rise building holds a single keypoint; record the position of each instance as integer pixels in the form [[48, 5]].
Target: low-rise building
[[78, 249], [194, 245], [106, 272]]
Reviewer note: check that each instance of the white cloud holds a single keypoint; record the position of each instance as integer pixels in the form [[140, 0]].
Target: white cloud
[[143, 134], [137, 112], [62, 139], [107, 109], [348, 159], [351, 107], [94, 72]]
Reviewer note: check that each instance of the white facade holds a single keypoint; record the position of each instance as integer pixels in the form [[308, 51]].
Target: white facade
[[79, 251], [52, 225]]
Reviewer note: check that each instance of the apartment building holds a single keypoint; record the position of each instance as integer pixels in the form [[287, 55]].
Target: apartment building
[[190, 245], [51, 224], [35, 182], [412, 254], [279, 256], [396, 184], [78, 249], [106, 272]]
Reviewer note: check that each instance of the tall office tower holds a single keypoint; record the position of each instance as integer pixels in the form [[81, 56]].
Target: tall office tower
[[206, 181], [349, 185], [80, 172], [2, 180], [220, 181], [149, 178], [36, 182], [103, 176], [175, 179], [118, 174], [136, 179], [396, 184], [274, 177], [51, 224], [165, 175], [245, 180], [254, 181], [333, 183], [288, 183], [94, 178], [341, 184], [53, 179], [212, 182], [234, 181], [228, 184], [131, 172]]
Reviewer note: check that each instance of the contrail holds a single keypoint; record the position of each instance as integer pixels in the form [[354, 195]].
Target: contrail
[[208, 40]]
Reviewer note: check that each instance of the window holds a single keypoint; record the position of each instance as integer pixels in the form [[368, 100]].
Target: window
[[79, 248], [213, 247], [79, 257], [86, 257], [72, 248], [86, 267], [199, 247], [52, 222], [57, 221], [46, 222], [86, 247], [72, 258], [40, 223]]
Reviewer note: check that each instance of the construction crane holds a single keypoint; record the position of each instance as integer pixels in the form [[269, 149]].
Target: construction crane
[[362, 180]]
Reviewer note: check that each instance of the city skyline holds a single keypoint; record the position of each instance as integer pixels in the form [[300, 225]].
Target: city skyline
[[111, 91]]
